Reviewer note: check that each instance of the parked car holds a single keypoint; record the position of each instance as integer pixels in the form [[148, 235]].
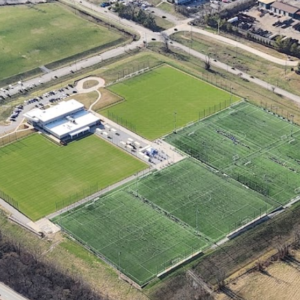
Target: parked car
[[104, 4]]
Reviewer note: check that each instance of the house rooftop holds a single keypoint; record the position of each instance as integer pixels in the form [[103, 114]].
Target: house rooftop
[[285, 7]]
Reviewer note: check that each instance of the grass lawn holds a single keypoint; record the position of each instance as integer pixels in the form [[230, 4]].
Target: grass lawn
[[130, 235], [170, 8], [32, 36], [163, 99], [253, 146], [37, 173]]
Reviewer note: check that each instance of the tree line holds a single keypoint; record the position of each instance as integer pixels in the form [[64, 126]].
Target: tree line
[[288, 46], [136, 14], [33, 277]]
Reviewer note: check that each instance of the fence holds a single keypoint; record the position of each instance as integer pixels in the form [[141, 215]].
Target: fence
[[78, 196], [9, 200], [15, 136]]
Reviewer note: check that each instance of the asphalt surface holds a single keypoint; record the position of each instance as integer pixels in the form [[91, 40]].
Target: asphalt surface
[[44, 100], [117, 135], [279, 61], [7, 293]]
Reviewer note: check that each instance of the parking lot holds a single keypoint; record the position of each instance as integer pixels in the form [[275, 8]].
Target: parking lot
[[41, 102], [274, 23], [147, 151]]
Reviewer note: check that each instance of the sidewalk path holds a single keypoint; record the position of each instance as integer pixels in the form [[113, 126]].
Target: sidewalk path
[[6, 293]]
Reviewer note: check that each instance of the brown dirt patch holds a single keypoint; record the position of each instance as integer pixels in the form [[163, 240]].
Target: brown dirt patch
[[87, 99], [89, 84], [281, 281], [107, 98]]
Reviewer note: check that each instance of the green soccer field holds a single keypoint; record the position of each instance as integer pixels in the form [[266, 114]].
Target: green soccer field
[[253, 146], [163, 100], [38, 174], [212, 204], [130, 235], [35, 35]]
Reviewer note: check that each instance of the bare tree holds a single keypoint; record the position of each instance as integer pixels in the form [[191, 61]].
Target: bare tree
[[165, 38], [283, 251], [220, 276], [207, 64]]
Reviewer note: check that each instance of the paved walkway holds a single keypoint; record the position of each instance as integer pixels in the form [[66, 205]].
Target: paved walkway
[[6, 293], [14, 213], [81, 89], [19, 217]]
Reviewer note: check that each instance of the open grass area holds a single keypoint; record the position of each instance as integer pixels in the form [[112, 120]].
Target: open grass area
[[163, 23], [40, 175], [87, 99], [35, 35], [253, 146], [170, 8], [165, 99], [130, 235]]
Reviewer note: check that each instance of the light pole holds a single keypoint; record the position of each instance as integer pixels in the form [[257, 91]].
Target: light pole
[[191, 40], [175, 121], [292, 119], [136, 186], [285, 65], [197, 219], [119, 260]]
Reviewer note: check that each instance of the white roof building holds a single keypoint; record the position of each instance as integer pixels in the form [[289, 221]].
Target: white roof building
[[68, 119]]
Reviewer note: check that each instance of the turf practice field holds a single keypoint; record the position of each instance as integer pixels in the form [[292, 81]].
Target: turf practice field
[[253, 146], [130, 235], [37, 173], [163, 100], [212, 204], [34, 35]]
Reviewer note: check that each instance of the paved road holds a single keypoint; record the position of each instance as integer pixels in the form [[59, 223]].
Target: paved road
[[239, 73], [147, 35], [186, 27], [8, 294]]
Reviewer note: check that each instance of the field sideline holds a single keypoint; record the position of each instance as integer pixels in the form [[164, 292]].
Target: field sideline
[[35, 35], [165, 99], [38, 174]]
